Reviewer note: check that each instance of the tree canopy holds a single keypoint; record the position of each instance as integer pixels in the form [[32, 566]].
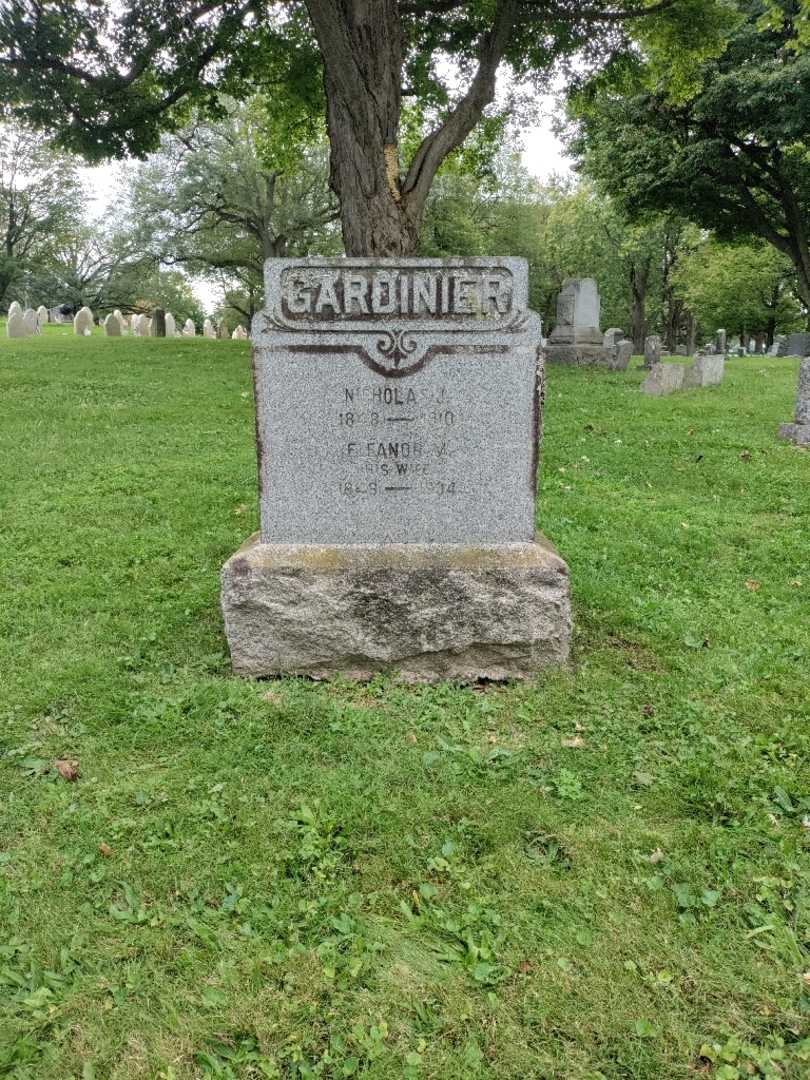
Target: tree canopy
[[107, 77], [734, 156]]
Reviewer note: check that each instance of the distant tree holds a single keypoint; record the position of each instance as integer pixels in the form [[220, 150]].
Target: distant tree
[[732, 155], [107, 77], [41, 204], [209, 200], [746, 288]]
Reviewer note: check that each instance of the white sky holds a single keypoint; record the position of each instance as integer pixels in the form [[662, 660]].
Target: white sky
[[543, 156]]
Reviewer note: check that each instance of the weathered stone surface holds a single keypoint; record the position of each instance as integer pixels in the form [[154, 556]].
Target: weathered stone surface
[[428, 612], [397, 426], [798, 345], [15, 308], [624, 354], [208, 329], [112, 326], [16, 326], [652, 351], [171, 325], [31, 321], [800, 431], [612, 337], [722, 344], [663, 379], [42, 316], [189, 329], [705, 371], [578, 314], [83, 322], [239, 334]]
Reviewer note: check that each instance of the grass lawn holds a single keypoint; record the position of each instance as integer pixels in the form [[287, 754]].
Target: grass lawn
[[602, 874]]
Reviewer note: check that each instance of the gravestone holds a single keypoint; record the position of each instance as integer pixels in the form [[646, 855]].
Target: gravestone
[[663, 379], [42, 316], [576, 338], [705, 371], [83, 322], [623, 354], [15, 308], [157, 326], [798, 345], [799, 432], [399, 411], [112, 327], [208, 329], [612, 337], [135, 324], [31, 321], [171, 325], [223, 334], [144, 325], [722, 344], [652, 351], [239, 334], [189, 329], [16, 326]]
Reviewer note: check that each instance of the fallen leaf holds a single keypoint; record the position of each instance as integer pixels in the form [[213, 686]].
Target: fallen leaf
[[753, 586], [648, 710], [105, 849], [796, 584], [411, 738], [524, 967], [657, 856], [67, 769], [578, 727], [746, 455], [576, 742], [691, 431]]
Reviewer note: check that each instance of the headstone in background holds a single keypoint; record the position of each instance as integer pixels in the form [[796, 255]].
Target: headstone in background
[[399, 411], [171, 325], [83, 322], [652, 351], [224, 335], [576, 338], [240, 334], [189, 329], [42, 316], [16, 326], [208, 329], [135, 324], [705, 371], [722, 343], [15, 308], [798, 345], [112, 327], [612, 337], [157, 327], [799, 432], [122, 322], [663, 379], [144, 325], [31, 320], [623, 354]]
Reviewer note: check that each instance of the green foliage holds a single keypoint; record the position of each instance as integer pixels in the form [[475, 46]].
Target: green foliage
[[733, 155], [745, 288], [601, 873]]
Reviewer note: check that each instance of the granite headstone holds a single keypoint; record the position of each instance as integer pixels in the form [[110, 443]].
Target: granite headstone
[[799, 432], [399, 407]]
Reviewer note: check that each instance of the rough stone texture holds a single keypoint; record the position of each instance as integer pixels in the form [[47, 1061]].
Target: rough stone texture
[[171, 325], [705, 371], [428, 612], [208, 329], [663, 379], [189, 329], [578, 314], [16, 326], [397, 428], [239, 334], [652, 351], [42, 316], [800, 431], [83, 322], [624, 354], [798, 345], [15, 308], [112, 327], [721, 342], [612, 337]]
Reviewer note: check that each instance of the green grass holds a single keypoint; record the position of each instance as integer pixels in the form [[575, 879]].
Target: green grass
[[603, 874]]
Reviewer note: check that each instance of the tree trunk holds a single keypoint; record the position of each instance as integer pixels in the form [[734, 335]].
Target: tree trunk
[[361, 42], [639, 276]]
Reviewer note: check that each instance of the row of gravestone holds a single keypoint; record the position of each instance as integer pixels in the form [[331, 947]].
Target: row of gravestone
[[20, 324], [25, 323]]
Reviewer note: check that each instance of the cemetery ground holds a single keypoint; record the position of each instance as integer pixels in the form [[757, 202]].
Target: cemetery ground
[[602, 874]]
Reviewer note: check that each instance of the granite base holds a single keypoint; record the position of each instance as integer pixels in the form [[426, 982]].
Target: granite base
[[582, 356], [796, 433], [427, 613]]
